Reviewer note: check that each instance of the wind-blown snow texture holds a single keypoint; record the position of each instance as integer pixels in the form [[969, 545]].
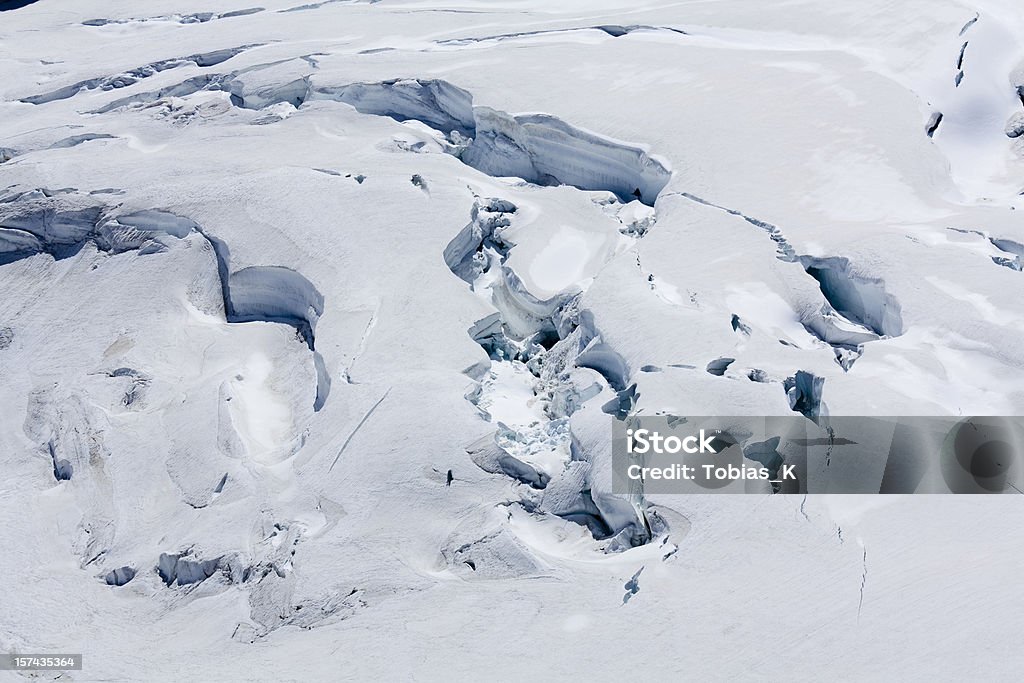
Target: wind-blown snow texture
[[315, 318]]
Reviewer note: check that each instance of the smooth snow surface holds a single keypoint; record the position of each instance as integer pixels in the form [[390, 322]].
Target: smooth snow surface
[[315, 316]]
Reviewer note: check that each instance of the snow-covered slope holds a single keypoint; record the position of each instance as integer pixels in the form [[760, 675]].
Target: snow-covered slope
[[314, 319]]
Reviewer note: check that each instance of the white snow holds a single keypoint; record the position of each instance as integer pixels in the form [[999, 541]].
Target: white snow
[[314, 317]]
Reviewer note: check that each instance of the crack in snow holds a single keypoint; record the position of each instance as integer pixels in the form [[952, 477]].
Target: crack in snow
[[863, 582], [358, 426]]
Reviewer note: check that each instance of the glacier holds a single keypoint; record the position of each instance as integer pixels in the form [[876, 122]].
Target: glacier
[[316, 318]]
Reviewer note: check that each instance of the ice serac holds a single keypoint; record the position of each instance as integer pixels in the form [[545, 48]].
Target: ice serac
[[545, 150], [75, 140], [275, 293], [606, 361], [177, 568], [465, 254], [498, 555], [557, 348], [804, 391], [538, 148], [13, 242], [119, 576], [862, 299], [1015, 125], [56, 220], [437, 103], [187, 87], [719, 366], [490, 457], [483, 548], [267, 293], [191, 18], [279, 294], [134, 75], [60, 222], [44, 220], [135, 230], [71, 431], [1015, 250], [274, 84]]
